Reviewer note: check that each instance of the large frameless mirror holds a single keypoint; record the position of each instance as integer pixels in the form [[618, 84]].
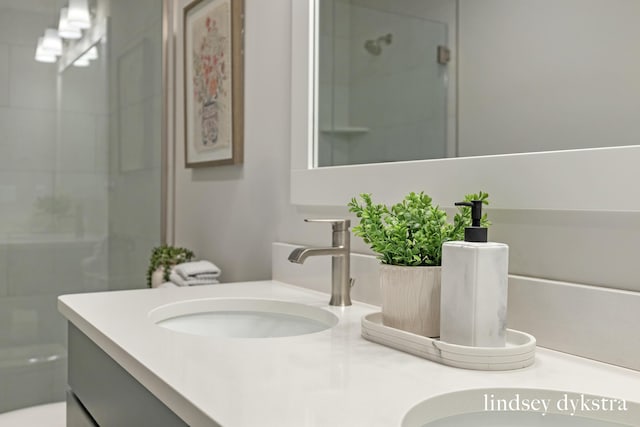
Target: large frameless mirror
[[401, 80]]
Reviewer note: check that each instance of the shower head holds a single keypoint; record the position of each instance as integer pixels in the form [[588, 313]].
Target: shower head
[[374, 47]]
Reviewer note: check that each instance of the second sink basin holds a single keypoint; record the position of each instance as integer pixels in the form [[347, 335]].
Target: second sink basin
[[522, 408], [242, 318]]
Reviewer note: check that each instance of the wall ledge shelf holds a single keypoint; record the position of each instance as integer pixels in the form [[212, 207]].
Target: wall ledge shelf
[[348, 130]]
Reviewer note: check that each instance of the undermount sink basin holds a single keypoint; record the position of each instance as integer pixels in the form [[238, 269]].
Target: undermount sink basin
[[242, 318], [522, 408]]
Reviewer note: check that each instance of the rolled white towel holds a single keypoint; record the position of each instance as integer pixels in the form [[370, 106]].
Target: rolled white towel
[[197, 269], [178, 280]]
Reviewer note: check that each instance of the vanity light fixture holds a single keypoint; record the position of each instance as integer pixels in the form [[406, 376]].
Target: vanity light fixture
[[65, 29], [43, 55], [52, 43], [78, 14], [91, 53], [83, 61]]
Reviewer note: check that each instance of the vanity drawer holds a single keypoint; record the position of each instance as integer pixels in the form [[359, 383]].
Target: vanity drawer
[[110, 394], [77, 416]]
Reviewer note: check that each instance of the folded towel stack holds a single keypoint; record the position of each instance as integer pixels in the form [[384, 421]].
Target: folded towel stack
[[195, 273]]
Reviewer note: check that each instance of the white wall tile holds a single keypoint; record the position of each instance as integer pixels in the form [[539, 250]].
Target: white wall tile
[[21, 214], [23, 27], [326, 17], [68, 260], [325, 68], [132, 19], [3, 268], [4, 75], [325, 105], [30, 269], [30, 140], [82, 185], [102, 144], [5, 149], [341, 61], [341, 99], [33, 84], [82, 89], [77, 151], [342, 20]]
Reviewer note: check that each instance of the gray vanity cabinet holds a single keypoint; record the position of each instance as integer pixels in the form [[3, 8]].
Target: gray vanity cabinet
[[104, 394]]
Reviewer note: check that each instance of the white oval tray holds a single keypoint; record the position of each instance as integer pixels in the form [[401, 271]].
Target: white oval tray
[[518, 353]]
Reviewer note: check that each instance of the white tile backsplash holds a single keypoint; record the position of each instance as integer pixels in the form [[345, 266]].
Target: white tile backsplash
[[588, 321]]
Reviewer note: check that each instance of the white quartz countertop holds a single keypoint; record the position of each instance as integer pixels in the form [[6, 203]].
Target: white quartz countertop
[[330, 378]]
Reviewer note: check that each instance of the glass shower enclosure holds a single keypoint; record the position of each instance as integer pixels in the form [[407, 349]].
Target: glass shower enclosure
[[80, 176]]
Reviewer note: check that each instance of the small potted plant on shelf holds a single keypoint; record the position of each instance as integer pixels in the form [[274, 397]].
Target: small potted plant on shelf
[[163, 258], [408, 238]]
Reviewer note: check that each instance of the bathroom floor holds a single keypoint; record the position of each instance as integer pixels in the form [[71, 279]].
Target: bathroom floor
[[50, 415]]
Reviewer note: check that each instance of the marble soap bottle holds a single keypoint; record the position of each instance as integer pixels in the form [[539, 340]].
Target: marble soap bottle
[[473, 309]]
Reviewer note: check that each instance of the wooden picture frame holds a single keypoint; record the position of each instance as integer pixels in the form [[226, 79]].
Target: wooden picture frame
[[213, 82]]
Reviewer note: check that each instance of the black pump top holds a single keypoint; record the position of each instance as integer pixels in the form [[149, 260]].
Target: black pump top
[[475, 233]]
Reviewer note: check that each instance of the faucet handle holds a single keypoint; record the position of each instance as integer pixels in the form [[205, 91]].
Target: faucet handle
[[337, 224]]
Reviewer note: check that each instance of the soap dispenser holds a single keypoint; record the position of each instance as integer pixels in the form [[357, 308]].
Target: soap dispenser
[[473, 305]]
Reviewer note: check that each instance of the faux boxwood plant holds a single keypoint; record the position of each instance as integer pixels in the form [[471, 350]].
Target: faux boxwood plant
[[166, 257], [411, 232]]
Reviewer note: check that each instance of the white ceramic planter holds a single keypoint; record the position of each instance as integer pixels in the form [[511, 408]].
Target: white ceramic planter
[[411, 299], [157, 278]]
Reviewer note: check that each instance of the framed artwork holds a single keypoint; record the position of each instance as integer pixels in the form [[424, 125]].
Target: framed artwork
[[213, 82]]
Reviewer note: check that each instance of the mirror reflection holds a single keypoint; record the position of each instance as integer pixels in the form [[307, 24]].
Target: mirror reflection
[[422, 79]]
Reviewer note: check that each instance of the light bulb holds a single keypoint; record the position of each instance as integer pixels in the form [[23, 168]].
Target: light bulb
[[52, 42], [65, 30], [78, 14], [91, 53], [81, 62], [43, 55]]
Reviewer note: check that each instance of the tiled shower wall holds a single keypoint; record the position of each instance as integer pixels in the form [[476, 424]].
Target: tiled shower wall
[[135, 146], [53, 175], [79, 180], [360, 118]]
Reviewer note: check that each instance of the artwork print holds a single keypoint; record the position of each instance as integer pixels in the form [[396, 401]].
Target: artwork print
[[209, 86]]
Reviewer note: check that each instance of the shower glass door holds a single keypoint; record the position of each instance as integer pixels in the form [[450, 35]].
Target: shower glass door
[[382, 86], [79, 177]]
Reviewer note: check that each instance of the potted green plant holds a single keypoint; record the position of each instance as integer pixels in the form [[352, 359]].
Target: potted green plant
[[163, 258], [408, 238]]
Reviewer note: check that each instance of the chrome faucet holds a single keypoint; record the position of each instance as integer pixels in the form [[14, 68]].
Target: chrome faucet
[[340, 249]]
